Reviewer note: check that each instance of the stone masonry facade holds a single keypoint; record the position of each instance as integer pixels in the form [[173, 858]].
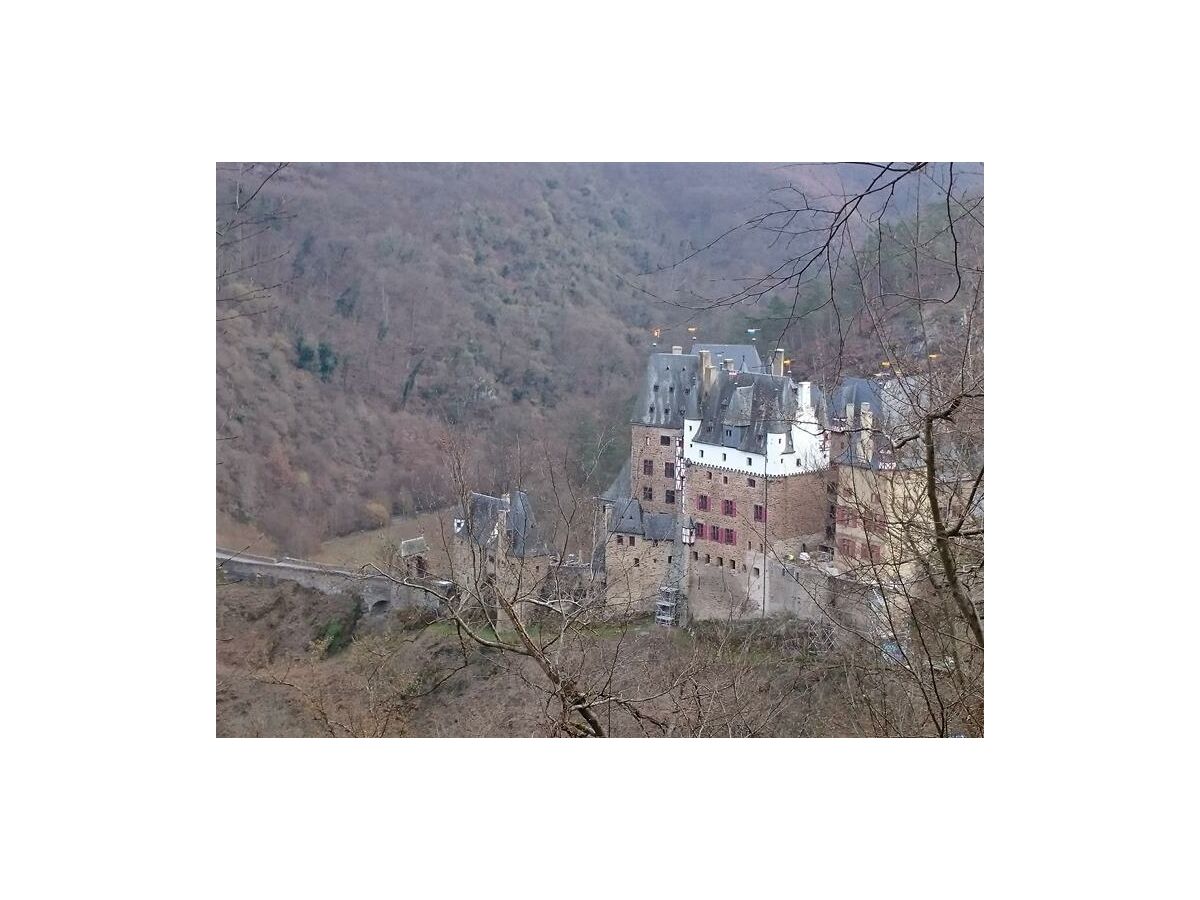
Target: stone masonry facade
[[635, 567], [654, 468]]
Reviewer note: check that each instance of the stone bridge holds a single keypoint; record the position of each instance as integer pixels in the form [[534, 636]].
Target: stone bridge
[[378, 593]]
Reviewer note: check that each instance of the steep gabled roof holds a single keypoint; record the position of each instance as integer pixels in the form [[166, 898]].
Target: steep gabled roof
[[629, 518], [889, 405], [744, 407], [745, 356], [481, 523], [669, 392], [854, 392]]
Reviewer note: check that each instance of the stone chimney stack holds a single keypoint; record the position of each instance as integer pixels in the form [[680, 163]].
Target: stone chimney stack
[[677, 351], [777, 361], [728, 361], [866, 440], [706, 371]]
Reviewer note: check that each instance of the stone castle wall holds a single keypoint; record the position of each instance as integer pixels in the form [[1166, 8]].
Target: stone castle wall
[[647, 445]]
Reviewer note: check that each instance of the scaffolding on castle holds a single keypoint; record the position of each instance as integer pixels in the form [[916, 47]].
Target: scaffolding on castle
[[670, 610]]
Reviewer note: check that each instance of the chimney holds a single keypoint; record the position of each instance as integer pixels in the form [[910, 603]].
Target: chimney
[[866, 440], [777, 361], [706, 370], [677, 351], [728, 364]]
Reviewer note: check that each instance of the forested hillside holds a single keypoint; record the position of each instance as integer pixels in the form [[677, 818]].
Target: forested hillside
[[364, 311]]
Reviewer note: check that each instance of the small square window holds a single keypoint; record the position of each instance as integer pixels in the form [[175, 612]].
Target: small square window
[[733, 564], [665, 440], [670, 498], [632, 540], [751, 482], [647, 493], [695, 555], [725, 479], [636, 561], [620, 540], [707, 559], [756, 572]]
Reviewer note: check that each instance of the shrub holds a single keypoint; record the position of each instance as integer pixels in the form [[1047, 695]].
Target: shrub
[[304, 354], [326, 360], [377, 513], [339, 629]]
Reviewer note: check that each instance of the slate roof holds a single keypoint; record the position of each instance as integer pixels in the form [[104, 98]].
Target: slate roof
[[887, 402], [744, 407], [659, 526], [670, 391], [856, 391], [745, 356], [628, 518], [524, 540]]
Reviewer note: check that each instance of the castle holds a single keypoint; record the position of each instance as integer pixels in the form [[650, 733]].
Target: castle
[[746, 494]]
